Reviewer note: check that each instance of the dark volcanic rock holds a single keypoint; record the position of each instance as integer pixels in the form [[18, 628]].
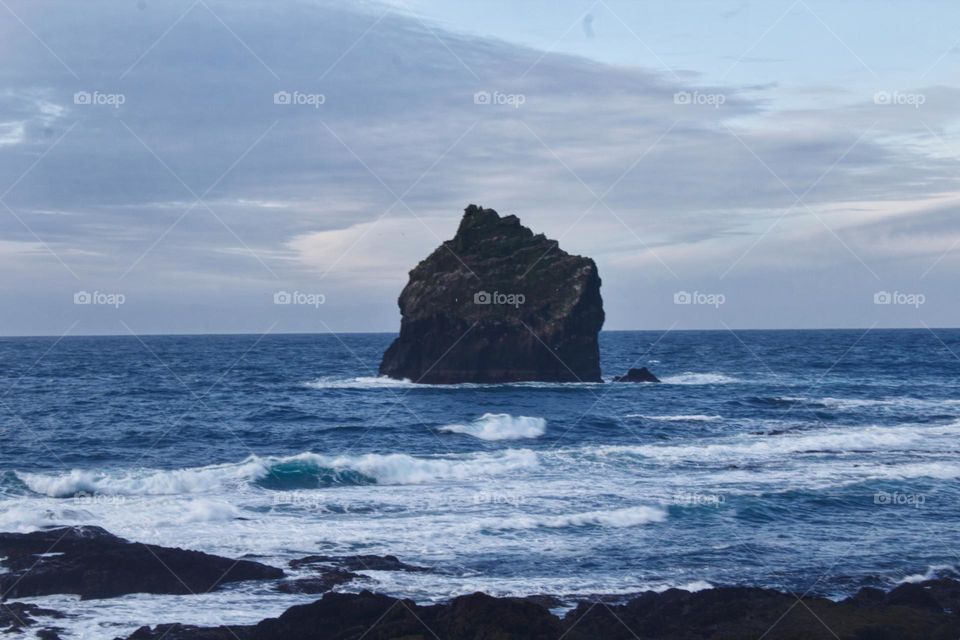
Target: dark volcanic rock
[[342, 616], [358, 563], [727, 613], [322, 583], [735, 613], [498, 304], [637, 375], [92, 563]]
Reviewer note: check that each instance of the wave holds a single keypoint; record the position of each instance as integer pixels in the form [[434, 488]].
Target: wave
[[678, 418], [501, 426], [628, 517], [822, 441], [305, 470], [933, 572], [699, 378]]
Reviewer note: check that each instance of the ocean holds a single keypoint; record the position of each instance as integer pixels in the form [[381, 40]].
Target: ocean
[[808, 461]]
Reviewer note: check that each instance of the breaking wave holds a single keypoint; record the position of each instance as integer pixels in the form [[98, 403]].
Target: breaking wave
[[305, 470], [500, 426]]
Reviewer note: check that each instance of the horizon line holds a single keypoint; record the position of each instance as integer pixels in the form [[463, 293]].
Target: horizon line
[[395, 333]]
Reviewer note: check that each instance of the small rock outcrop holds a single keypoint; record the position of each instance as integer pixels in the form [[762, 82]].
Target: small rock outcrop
[[93, 563], [357, 563], [498, 304], [637, 375]]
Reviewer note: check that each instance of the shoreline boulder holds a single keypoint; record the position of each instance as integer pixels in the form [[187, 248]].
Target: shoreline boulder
[[92, 563], [498, 304]]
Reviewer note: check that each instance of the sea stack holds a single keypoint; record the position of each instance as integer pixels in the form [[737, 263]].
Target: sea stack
[[498, 304]]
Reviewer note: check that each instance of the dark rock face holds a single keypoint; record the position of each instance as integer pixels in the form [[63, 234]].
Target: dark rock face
[[730, 613], [342, 616], [498, 304], [637, 375], [92, 563]]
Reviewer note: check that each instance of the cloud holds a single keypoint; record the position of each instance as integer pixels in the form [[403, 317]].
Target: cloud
[[364, 172]]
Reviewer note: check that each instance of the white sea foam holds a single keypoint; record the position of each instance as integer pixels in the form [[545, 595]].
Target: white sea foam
[[501, 426], [395, 468], [699, 378], [382, 382], [360, 382], [677, 418], [22, 516], [628, 517]]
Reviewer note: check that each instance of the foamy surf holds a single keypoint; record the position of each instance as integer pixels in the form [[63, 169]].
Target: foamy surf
[[860, 439], [676, 418], [500, 426]]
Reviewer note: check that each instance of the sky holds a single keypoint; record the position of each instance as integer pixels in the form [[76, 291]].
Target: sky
[[178, 166]]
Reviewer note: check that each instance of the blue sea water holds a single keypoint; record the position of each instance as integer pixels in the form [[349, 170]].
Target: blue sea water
[[801, 460]]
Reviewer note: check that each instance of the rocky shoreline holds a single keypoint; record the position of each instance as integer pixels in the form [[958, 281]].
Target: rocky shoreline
[[926, 611], [92, 563]]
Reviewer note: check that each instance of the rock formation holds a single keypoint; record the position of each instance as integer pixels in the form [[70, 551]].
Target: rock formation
[[498, 304], [637, 375]]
